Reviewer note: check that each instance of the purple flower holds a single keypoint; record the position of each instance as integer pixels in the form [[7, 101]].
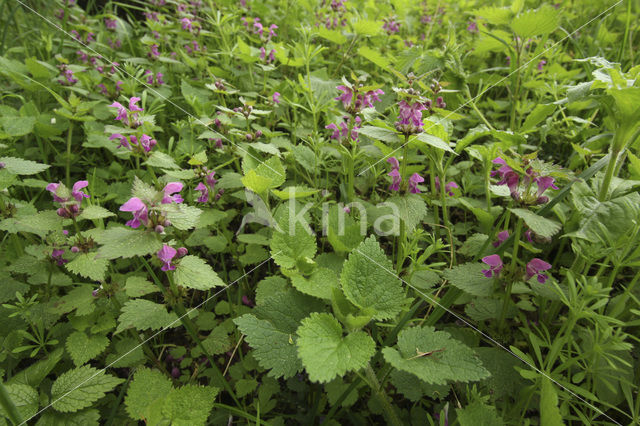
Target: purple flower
[[394, 162], [529, 235], [133, 104], [159, 80], [541, 64], [53, 188], [166, 254], [535, 267], [204, 192], [170, 189], [147, 142], [186, 24], [210, 180], [76, 193], [342, 131], [495, 265], [276, 98], [410, 117], [502, 237], [472, 27], [448, 187], [396, 180], [111, 24], [246, 301], [272, 32], [56, 255], [182, 251], [414, 180], [175, 371], [139, 209], [122, 112], [153, 50], [544, 183], [391, 26]]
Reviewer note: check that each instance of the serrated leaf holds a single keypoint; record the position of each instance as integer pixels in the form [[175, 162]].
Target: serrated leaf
[[478, 413], [332, 35], [18, 166], [469, 278], [147, 391], [320, 284], [189, 405], [183, 216], [374, 56], [94, 212], [194, 272], [414, 389], [161, 160], [539, 113], [273, 348], [144, 314], [380, 133], [295, 192], [431, 141], [367, 28], [549, 411], [83, 348], [35, 373], [533, 23], [86, 265], [293, 241], [326, 353], [40, 223], [81, 387], [411, 209], [343, 232], [370, 283], [125, 242], [540, 225], [267, 175], [139, 286], [17, 126], [25, 398], [88, 417], [454, 361]]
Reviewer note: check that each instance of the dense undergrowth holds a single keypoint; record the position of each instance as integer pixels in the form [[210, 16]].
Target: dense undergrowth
[[319, 212]]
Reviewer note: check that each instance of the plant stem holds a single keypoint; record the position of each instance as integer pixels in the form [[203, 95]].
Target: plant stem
[[514, 264], [402, 237], [379, 393], [604, 188], [68, 168]]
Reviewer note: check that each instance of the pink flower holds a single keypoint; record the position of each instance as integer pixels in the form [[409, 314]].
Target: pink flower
[[146, 142], [204, 193], [53, 188], [535, 267], [170, 189], [76, 193], [186, 24], [541, 64], [345, 97], [123, 140], [272, 32], [449, 187], [210, 180], [472, 27], [56, 255], [276, 98], [166, 254], [414, 180], [502, 237], [545, 183], [133, 104], [139, 209], [529, 235], [396, 180], [394, 162], [122, 112], [410, 117], [495, 265], [111, 24]]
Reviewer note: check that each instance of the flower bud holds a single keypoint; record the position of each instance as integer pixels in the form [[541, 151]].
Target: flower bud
[[249, 136], [175, 372], [182, 251], [95, 292], [74, 249], [167, 223], [258, 134], [159, 229], [62, 212]]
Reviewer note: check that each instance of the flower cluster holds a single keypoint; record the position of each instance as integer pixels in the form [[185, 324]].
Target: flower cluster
[[207, 187], [535, 268], [166, 255], [331, 14], [341, 131], [354, 101], [69, 201], [410, 117], [521, 185], [396, 178], [158, 78], [69, 79], [128, 117], [147, 214], [448, 187], [268, 58], [391, 26]]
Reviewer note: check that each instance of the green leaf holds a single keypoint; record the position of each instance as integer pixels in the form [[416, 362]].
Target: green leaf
[[189, 405], [540, 225], [125, 242], [343, 232], [183, 216], [17, 126], [367, 28], [332, 35], [478, 413], [432, 141], [295, 192], [326, 353], [267, 175], [411, 209], [293, 241], [549, 411], [414, 389], [539, 113], [40, 223], [454, 361], [81, 387], [495, 15], [533, 23], [86, 265], [147, 391], [469, 278], [25, 398], [320, 284], [374, 56], [193, 272], [380, 133], [144, 314], [370, 283], [88, 417], [273, 348], [34, 374], [94, 212], [269, 287], [18, 166], [83, 348], [161, 160], [139, 286]]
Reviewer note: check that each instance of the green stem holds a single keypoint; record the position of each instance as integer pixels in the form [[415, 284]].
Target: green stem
[[604, 189], [8, 406], [351, 178], [68, 168], [403, 232], [381, 396], [514, 264]]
